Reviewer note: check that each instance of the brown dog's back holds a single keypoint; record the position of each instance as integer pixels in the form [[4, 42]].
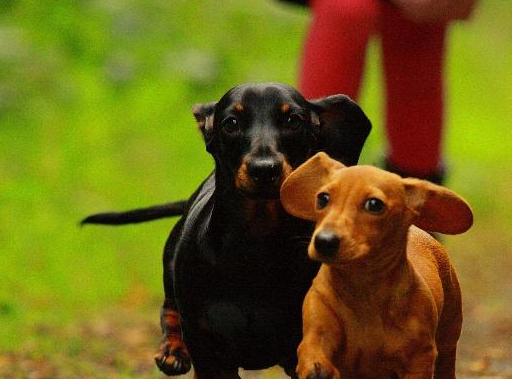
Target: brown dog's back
[[431, 261], [425, 252]]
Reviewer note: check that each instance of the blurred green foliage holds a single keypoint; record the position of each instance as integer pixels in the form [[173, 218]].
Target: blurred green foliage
[[95, 99]]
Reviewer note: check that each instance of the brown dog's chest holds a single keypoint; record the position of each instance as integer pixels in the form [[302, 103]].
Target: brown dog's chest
[[373, 351], [380, 339]]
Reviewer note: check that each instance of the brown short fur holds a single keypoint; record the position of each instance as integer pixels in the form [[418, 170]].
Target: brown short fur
[[386, 302]]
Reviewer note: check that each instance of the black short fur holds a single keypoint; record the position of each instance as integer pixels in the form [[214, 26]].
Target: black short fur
[[235, 265]]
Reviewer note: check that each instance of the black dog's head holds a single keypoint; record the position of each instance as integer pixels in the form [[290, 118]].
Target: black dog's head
[[259, 133]]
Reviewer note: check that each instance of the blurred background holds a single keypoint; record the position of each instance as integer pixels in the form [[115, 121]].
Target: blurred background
[[95, 100]]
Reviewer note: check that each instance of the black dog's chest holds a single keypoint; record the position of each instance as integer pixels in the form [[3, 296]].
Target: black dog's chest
[[251, 334], [247, 298], [255, 267], [256, 271], [253, 314]]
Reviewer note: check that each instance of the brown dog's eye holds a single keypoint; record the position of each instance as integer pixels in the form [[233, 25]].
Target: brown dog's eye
[[230, 125], [322, 199], [374, 206], [293, 122]]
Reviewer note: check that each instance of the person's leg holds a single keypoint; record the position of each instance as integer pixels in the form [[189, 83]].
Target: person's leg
[[335, 47], [413, 58]]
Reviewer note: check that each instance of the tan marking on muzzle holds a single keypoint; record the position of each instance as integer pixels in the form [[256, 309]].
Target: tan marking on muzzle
[[243, 180]]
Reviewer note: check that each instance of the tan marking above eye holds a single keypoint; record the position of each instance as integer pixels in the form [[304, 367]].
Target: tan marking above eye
[[285, 108], [239, 107]]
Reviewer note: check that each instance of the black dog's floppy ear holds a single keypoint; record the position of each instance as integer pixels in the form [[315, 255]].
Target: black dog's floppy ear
[[298, 192], [342, 127], [204, 114]]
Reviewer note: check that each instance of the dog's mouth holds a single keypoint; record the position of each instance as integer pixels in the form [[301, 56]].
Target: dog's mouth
[[341, 258], [258, 190], [267, 194], [330, 260]]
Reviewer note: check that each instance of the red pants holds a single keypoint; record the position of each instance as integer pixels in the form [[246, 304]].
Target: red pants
[[413, 55]]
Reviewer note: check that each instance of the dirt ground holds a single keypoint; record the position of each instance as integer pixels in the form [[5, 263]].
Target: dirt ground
[[120, 344], [120, 340]]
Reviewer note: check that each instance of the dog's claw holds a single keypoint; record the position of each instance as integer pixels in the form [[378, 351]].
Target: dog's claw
[[178, 365]]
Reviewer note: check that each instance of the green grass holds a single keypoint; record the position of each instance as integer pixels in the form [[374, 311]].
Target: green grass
[[95, 102]]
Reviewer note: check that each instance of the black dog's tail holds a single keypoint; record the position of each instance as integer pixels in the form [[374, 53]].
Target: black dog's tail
[[137, 215]]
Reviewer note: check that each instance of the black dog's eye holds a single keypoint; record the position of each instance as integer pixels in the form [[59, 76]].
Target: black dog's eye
[[231, 125], [322, 199], [293, 122], [374, 206]]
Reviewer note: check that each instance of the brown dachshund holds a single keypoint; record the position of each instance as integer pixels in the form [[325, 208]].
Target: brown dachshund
[[386, 302]]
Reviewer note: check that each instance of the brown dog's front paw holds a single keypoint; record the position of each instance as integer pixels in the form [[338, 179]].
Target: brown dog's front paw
[[172, 356], [321, 371]]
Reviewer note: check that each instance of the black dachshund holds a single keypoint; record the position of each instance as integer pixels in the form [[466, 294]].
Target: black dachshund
[[235, 265]]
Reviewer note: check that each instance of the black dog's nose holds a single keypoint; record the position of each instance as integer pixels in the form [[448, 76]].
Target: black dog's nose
[[265, 170], [327, 242]]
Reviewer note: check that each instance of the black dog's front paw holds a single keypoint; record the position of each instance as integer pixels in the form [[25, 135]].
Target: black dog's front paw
[[172, 357]]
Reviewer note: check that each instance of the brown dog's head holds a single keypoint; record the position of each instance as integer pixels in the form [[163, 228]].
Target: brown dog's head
[[361, 209]]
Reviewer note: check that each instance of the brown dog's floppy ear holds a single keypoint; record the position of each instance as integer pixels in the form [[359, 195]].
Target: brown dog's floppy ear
[[203, 114], [436, 208], [342, 127], [298, 192]]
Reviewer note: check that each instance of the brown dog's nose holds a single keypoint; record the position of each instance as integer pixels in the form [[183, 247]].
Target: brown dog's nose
[[265, 169], [327, 243]]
